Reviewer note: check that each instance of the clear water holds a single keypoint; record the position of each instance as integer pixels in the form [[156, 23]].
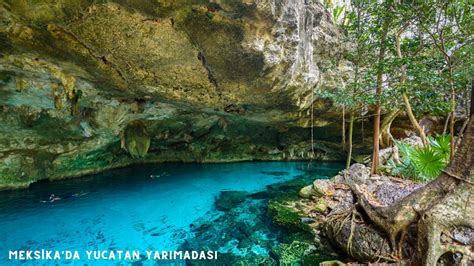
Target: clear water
[[128, 209]]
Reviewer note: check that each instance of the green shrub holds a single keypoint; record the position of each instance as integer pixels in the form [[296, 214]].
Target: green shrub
[[421, 163], [404, 169]]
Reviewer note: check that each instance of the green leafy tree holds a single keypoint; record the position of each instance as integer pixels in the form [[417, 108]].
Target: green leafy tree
[[449, 26], [352, 97]]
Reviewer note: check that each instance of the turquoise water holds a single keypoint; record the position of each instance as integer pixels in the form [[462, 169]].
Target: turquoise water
[[151, 207]]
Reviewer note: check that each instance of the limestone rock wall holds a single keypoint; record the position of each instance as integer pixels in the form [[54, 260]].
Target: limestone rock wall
[[208, 80]]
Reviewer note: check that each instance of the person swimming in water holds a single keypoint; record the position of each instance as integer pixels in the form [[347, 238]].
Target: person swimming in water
[[159, 175], [77, 195], [54, 198]]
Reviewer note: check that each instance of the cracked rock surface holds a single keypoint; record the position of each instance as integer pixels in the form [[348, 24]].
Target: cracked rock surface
[[89, 85]]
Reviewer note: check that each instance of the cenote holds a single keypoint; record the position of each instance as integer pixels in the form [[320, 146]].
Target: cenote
[[221, 207], [224, 125]]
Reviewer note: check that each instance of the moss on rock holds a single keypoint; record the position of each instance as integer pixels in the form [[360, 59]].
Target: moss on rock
[[300, 252], [286, 216], [293, 253], [320, 205], [306, 192]]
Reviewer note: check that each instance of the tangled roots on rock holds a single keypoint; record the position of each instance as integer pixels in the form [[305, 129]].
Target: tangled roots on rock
[[362, 241], [455, 210]]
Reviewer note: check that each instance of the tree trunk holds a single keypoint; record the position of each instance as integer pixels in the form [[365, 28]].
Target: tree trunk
[[403, 79], [447, 58], [375, 155], [430, 205], [386, 138], [461, 132], [442, 204], [378, 92], [471, 113], [445, 129], [351, 127], [343, 127], [453, 110], [413, 120]]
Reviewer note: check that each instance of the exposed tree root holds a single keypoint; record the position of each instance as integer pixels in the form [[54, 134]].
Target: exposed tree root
[[456, 209], [356, 238], [386, 138], [438, 206]]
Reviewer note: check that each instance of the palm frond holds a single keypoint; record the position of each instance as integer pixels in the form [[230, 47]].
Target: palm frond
[[441, 144], [428, 162]]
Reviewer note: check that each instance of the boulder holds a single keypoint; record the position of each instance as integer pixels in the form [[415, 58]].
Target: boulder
[[413, 141], [306, 192], [367, 244], [339, 178], [321, 187], [358, 173], [431, 125], [385, 155]]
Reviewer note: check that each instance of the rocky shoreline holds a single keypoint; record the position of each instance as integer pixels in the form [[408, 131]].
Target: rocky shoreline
[[328, 209]]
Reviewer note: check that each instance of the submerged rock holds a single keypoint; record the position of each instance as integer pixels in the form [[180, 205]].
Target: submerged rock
[[228, 200], [286, 216], [295, 253], [249, 235]]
